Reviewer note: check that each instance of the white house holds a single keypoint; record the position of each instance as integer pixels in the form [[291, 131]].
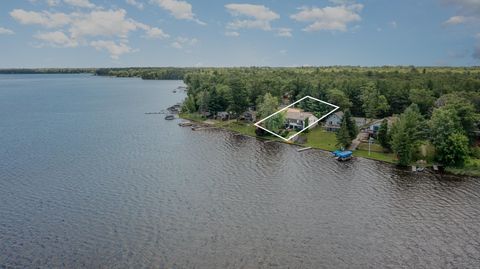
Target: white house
[[296, 119]]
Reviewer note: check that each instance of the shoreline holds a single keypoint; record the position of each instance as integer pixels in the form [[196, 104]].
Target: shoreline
[[242, 130], [225, 126]]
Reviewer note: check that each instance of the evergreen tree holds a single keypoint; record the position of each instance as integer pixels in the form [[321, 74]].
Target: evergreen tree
[[239, 101], [383, 135], [307, 122], [343, 136], [351, 125]]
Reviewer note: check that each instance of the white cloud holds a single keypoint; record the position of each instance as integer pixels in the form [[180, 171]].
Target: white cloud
[[393, 24], [102, 23], [179, 9], [182, 42], [259, 12], [80, 3], [334, 18], [5, 31], [78, 28], [155, 32], [459, 20], [284, 32], [135, 3], [47, 19], [115, 50], [468, 14], [259, 16], [232, 33], [56, 39], [152, 32]]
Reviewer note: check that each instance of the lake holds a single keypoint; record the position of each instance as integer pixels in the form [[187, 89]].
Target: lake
[[88, 180]]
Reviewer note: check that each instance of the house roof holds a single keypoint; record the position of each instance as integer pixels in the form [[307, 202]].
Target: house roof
[[338, 114], [297, 114], [390, 121]]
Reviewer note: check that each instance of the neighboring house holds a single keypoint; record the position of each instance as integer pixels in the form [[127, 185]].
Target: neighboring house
[[296, 119], [223, 115], [374, 126], [250, 116], [361, 122], [333, 121], [206, 114]]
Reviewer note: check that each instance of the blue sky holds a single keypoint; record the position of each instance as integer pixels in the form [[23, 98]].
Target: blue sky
[[104, 33]]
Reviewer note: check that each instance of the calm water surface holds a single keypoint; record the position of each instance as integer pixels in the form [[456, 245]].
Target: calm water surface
[[88, 180]]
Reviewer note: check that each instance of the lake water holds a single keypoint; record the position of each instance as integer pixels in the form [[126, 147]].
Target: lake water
[[88, 180]]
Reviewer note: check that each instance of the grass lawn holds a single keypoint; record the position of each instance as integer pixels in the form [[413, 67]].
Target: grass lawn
[[319, 138], [191, 116], [471, 168], [373, 147], [239, 127], [380, 156]]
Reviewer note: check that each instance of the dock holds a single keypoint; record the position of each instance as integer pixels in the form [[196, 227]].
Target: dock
[[304, 149]]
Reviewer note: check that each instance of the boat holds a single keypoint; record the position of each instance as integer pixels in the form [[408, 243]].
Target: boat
[[185, 124], [336, 152], [169, 117], [343, 156]]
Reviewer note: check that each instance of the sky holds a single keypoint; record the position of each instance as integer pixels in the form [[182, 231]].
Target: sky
[[204, 33]]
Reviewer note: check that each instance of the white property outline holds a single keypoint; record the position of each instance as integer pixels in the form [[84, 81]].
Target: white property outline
[[292, 104]]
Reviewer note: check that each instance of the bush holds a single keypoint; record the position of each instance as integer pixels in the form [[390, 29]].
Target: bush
[[260, 132]]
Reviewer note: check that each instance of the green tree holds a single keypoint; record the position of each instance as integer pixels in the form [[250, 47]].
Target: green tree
[[339, 98], [374, 104], [383, 135], [343, 136], [448, 137], [307, 122], [351, 125], [239, 102], [456, 150], [423, 98], [203, 99], [276, 122], [407, 134], [267, 106], [189, 105]]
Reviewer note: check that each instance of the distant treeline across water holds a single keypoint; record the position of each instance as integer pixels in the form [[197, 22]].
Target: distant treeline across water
[[179, 73]]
